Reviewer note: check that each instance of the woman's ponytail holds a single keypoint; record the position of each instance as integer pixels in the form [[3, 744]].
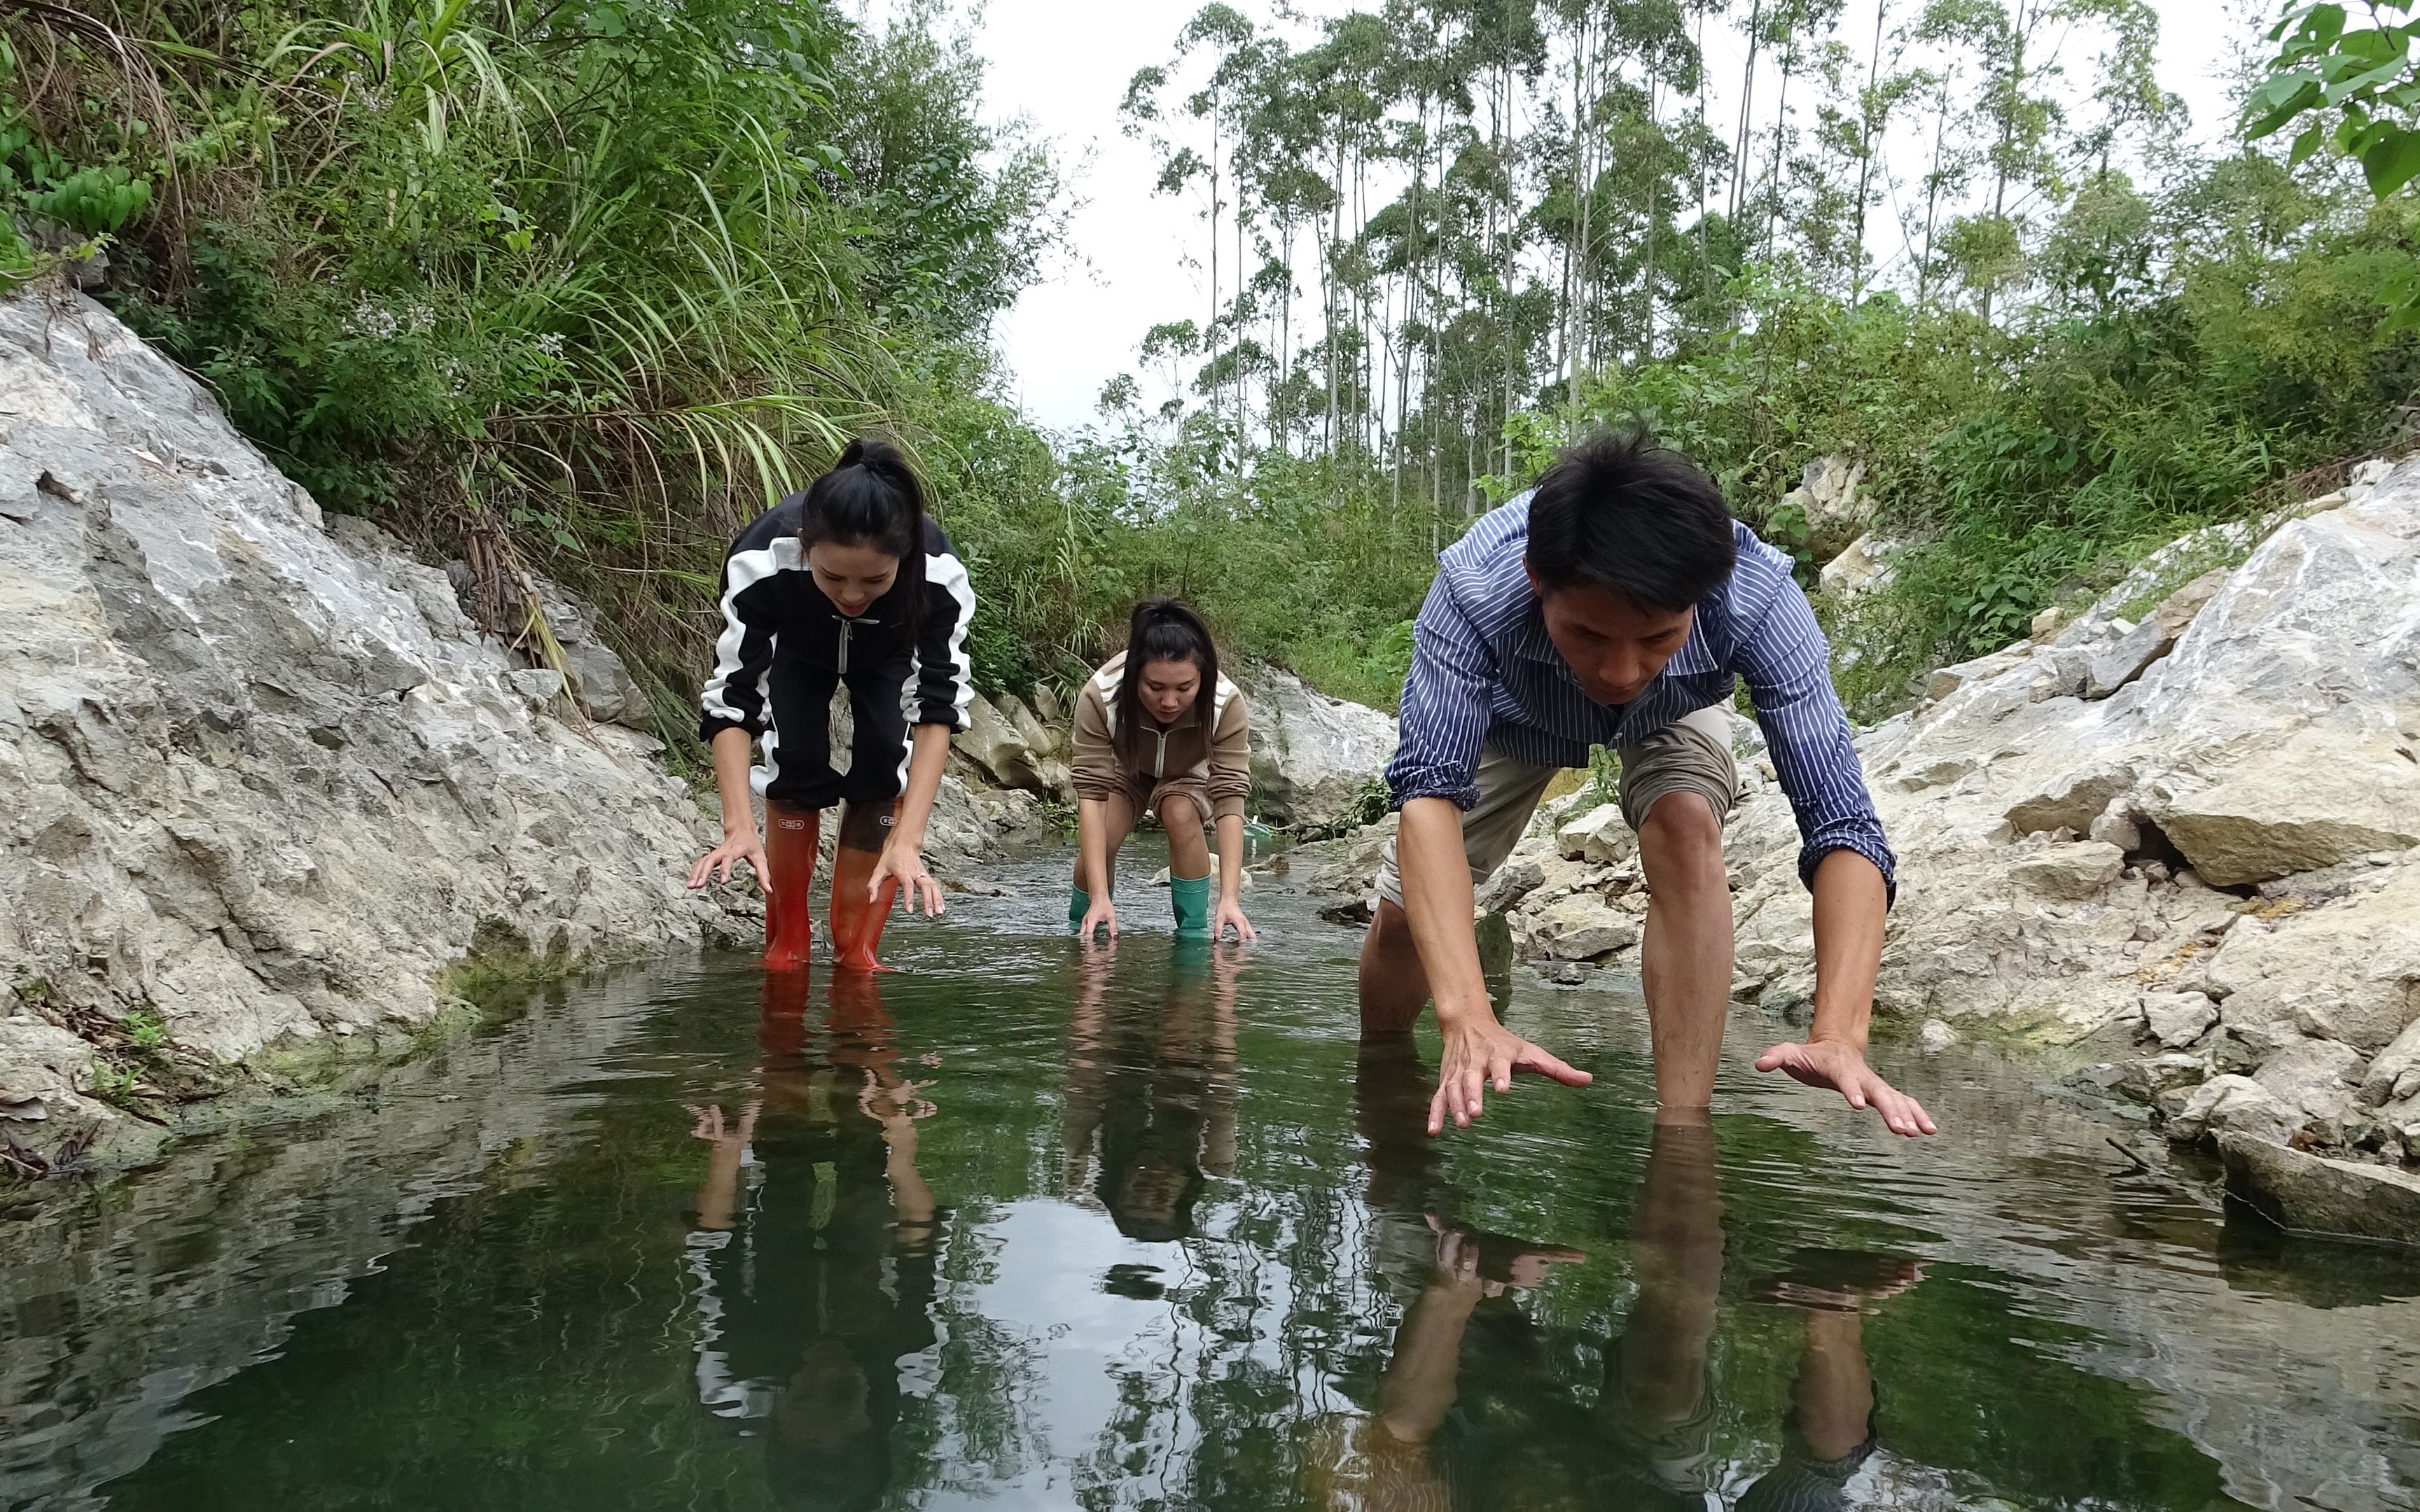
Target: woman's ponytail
[[871, 498], [1165, 629]]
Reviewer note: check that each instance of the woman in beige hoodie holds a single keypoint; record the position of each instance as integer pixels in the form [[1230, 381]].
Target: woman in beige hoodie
[[1158, 729]]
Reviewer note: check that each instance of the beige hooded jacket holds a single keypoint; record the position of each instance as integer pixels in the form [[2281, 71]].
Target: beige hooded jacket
[[1210, 745]]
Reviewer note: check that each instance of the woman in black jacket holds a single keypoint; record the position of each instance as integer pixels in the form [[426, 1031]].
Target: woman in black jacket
[[847, 583]]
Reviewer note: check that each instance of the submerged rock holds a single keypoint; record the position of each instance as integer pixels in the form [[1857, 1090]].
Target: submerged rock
[[2311, 1194]]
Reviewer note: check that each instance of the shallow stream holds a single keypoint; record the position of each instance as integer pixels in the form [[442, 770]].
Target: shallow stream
[[1020, 1226]]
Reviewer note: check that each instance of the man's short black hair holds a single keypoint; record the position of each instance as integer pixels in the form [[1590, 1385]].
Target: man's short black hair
[[1617, 510]]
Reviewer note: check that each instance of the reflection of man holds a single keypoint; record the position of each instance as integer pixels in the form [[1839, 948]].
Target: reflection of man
[[1152, 1083], [1386, 1461], [1659, 1397], [804, 1329], [1618, 603]]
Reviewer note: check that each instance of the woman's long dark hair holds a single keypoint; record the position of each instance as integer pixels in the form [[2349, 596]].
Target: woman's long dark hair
[[1165, 629], [873, 498]]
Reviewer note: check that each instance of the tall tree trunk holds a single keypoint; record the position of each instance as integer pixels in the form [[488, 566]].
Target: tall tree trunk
[[1865, 149]]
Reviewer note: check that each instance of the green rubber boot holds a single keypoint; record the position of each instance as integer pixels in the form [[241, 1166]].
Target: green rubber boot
[[1079, 902], [1191, 898]]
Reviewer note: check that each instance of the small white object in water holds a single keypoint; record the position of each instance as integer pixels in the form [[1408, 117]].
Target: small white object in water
[[1935, 1035]]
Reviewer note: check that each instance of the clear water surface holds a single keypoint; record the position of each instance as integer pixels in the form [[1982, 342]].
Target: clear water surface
[[1022, 1228]]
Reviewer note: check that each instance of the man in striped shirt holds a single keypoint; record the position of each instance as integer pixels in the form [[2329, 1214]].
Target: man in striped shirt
[[1618, 603]]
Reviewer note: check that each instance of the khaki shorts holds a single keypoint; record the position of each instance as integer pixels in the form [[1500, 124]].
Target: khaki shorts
[[1691, 755]]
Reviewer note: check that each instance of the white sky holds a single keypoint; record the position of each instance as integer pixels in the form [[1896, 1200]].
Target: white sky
[[1065, 64]]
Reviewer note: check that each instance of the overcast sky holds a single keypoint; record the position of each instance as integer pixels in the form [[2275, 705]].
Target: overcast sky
[[1065, 64]]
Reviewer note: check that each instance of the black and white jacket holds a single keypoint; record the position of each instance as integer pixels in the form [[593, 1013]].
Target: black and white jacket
[[785, 644]]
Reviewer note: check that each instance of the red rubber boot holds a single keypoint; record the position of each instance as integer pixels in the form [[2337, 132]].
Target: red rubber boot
[[857, 923], [790, 837]]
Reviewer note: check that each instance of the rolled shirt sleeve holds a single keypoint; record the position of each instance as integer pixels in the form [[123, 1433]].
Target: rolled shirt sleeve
[[1787, 666], [1445, 706]]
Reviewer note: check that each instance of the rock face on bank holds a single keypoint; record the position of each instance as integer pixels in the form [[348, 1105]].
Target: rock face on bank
[[261, 779]]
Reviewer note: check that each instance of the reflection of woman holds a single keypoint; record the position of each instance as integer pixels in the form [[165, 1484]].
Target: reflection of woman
[[847, 584], [1155, 1085], [1159, 731], [824, 1280]]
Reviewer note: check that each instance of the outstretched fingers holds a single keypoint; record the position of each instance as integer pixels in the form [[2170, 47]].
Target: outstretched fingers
[[1531, 1058]]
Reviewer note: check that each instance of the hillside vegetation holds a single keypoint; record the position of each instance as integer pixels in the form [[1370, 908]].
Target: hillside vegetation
[[580, 287]]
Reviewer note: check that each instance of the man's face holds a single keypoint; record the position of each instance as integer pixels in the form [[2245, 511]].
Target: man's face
[[1614, 647]]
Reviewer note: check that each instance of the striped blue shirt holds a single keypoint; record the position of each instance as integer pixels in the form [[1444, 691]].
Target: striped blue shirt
[[1484, 672]]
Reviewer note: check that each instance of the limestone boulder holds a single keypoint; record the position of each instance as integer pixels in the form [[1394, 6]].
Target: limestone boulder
[[2313, 1079], [1600, 836], [997, 747], [2075, 869], [1582, 928], [2072, 800], [2234, 1104], [2394, 1073], [2317, 801], [2311, 1194], [1312, 756], [2178, 1019], [1862, 567], [2345, 970]]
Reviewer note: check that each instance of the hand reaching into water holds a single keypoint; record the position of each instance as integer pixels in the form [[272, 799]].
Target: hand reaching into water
[[1231, 912], [905, 865], [1478, 1051], [1103, 914], [1830, 1063], [747, 845]]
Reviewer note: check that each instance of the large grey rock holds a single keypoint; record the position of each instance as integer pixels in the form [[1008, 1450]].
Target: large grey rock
[[2235, 1104], [1601, 836], [260, 776], [2074, 800], [2395, 1075], [1582, 926], [2114, 665], [2348, 969], [1312, 755], [2318, 800], [1862, 566], [2178, 1019], [2077, 869], [2313, 1078], [2311, 1194], [997, 747]]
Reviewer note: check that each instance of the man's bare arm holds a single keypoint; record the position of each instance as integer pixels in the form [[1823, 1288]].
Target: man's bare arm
[[1435, 874], [1852, 902]]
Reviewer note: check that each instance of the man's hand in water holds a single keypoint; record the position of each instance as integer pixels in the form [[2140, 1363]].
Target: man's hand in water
[[906, 866], [1841, 1068], [1478, 1051], [747, 845], [1103, 914]]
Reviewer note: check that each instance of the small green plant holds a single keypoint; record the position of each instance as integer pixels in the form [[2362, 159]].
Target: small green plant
[[145, 1030], [95, 201]]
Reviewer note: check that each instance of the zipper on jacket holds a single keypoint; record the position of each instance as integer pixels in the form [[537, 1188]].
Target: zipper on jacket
[[845, 625], [1159, 763]]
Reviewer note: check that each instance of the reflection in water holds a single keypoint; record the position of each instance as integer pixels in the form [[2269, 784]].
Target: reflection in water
[[1150, 1109], [1658, 1408], [813, 1284], [674, 1244]]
